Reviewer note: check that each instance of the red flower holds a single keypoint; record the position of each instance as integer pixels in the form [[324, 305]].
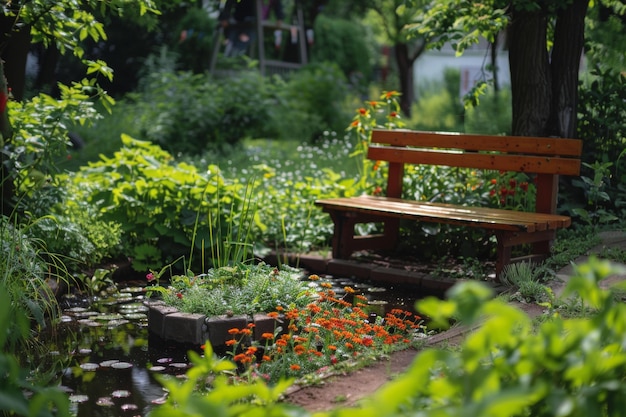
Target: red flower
[[523, 186], [179, 295], [150, 277]]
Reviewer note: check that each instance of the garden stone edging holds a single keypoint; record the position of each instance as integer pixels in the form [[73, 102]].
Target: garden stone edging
[[168, 323]]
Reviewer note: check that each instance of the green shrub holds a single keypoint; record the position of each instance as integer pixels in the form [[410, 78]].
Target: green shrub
[[70, 229], [195, 30], [492, 116], [238, 289], [343, 42], [21, 396], [166, 209], [312, 101]]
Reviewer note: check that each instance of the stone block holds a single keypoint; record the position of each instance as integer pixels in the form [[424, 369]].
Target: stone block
[[156, 318], [395, 276], [349, 269], [266, 324], [184, 328], [217, 329]]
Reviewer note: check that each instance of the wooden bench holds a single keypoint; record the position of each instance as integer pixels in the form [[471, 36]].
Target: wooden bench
[[546, 158]]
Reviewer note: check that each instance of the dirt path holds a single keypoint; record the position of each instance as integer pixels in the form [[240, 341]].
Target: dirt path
[[346, 389]]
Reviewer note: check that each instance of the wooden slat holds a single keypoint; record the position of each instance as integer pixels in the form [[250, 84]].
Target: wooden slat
[[498, 162], [495, 219], [451, 140]]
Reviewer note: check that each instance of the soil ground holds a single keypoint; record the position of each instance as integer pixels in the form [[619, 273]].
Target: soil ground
[[346, 389]]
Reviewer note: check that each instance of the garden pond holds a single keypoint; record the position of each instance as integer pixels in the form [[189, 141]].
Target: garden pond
[[109, 359]]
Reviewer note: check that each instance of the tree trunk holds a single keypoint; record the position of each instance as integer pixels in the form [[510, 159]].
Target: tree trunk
[[15, 43], [530, 73], [405, 74], [566, 55], [6, 179]]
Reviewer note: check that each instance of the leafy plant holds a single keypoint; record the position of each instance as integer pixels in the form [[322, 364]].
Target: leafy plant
[[20, 395], [23, 277], [166, 210], [523, 278], [595, 192], [237, 289], [342, 42]]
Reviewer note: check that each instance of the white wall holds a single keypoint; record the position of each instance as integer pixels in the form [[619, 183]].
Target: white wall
[[431, 65]]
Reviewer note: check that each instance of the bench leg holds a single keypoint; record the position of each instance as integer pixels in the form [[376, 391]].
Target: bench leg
[[345, 243], [343, 236]]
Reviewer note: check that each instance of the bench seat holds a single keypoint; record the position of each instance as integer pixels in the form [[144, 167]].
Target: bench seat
[[545, 159], [484, 217]]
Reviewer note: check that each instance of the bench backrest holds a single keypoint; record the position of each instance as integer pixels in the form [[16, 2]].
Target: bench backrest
[[546, 157]]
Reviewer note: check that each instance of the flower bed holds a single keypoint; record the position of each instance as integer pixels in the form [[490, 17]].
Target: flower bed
[[313, 331]]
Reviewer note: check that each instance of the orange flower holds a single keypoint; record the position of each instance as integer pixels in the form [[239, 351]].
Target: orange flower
[[231, 342], [349, 345], [367, 341], [362, 111], [272, 314], [349, 290], [314, 277], [294, 367], [299, 349], [233, 331], [266, 358], [267, 336], [355, 123], [332, 347]]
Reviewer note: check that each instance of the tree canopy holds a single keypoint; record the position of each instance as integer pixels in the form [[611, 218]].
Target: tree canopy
[[545, 41]]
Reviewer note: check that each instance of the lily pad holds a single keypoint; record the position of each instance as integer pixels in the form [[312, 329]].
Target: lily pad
[[88, 366], [136, 316], [121, 393], [116, 323], [157, 368], [77, 399], [105, 402], [129, 407], [109, 317], [121, 365], [109, 363]]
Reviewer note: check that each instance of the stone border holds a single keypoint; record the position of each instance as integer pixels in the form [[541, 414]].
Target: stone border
[[368, 271], [168, 323]]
